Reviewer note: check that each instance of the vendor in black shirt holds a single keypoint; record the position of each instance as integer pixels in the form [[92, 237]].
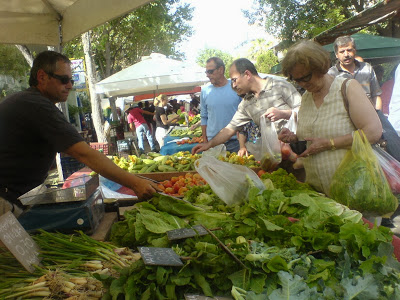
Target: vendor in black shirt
[[162, 122], [33, 130]]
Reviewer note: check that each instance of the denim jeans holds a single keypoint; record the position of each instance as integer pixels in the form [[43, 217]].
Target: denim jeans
[[232, 145], [140, 131]]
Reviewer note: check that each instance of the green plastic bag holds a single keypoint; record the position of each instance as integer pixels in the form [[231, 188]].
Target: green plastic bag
[[359, 182]]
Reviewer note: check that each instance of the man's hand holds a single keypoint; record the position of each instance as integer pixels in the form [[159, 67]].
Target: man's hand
[[200, 147], [144, 189], [274, 114], [243, 152]]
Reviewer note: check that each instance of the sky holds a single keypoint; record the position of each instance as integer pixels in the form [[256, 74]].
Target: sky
[[220, 24]]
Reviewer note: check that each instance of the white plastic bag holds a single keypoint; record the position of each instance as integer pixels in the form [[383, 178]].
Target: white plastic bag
[[271, 154], [216, 151], [291, 124], [228, 181]]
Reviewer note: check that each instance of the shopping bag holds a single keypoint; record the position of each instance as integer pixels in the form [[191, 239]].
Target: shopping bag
[[390, 167], [270, 150], [217, 151], [359, 181], [229, 182], [291, 124]]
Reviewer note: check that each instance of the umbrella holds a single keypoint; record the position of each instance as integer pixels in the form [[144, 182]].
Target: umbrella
[[154, 74], [54, 22]]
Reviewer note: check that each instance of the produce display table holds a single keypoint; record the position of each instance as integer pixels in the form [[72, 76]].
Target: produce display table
[[172, 147]]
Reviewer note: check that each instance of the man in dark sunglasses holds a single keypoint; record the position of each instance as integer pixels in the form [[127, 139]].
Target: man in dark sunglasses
[[218, 103], [33, 130]]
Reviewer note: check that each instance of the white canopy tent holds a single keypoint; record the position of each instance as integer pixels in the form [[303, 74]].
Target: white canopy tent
[[154, 74], [54, 22]]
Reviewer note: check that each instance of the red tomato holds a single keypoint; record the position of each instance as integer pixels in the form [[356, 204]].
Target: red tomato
[[285, 151], [169, 190], [260, 173], [167, 184], [182, 190], [174, 179]]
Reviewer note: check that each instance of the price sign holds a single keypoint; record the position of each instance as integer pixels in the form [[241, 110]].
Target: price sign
[[160, 256], [200, 297], [19, 242], [184, 233]]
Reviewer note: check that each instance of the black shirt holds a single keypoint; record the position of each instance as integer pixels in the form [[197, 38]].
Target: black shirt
[[160, 111], [32, 131]]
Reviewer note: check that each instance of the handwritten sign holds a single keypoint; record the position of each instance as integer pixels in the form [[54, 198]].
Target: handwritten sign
[[200, 297], [19, 242], [184, 233], [160, 256]]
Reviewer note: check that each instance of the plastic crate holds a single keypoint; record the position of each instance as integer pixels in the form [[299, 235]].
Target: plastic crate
[[124, 147], [100, 146], [70, 165]]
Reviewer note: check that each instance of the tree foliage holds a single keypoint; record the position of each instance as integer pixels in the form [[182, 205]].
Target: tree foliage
[[207, 53], [12, 62], [265, 61], [156, 27], [292, 20]]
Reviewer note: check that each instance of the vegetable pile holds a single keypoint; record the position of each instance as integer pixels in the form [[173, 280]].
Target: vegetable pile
[[295, 244], [178, 162], [68, 264], [186, 132], [178, 185]]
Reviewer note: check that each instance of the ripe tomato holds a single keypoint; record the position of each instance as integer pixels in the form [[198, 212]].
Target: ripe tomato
[[182, 190], [167, 183], [174, 179], [260, 173], [169, 190]]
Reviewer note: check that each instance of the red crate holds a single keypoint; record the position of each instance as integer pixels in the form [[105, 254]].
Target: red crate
[[100, 146]]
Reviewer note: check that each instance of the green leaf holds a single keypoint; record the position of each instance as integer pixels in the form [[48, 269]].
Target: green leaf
[[360, 288], [117, 287], [202, 282], [270, 226], [277, 264], [240, 279], [293, 288]]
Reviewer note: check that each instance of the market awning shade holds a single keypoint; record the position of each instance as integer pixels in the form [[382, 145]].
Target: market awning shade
[[54, 22], [154, 74], [373, 15]]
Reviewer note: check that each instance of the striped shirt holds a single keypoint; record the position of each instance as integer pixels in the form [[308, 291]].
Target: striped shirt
[[364, 74], [277, 93], [328, 121]]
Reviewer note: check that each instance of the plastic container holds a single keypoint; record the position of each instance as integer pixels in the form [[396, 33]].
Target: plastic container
[[100, 146]]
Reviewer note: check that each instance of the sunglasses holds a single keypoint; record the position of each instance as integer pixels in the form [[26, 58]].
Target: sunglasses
[[306, 78], [64, 79], [211, 71]]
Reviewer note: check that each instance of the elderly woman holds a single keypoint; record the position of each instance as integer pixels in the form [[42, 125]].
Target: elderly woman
[[323, 120], [162, 122]]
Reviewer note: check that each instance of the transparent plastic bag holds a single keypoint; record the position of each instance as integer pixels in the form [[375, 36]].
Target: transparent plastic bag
[[291, 124], [228, 181], [359, 181], [390, 167], [216, 151], [270, 150]]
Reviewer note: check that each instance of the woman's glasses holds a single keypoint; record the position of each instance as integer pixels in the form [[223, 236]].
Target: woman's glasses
[[306, 78]]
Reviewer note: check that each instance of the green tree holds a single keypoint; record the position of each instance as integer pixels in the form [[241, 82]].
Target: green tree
[[292, 20], [12, 62], [209, 52], [156, 27], [265, 61]]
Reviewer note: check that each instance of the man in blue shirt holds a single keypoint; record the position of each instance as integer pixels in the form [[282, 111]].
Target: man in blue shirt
[[218, 102]]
